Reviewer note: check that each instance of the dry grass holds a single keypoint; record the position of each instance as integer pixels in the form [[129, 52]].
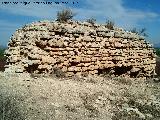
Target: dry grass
[[87, 98]]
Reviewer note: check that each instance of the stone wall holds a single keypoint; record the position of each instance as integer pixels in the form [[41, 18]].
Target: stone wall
[[78, 48]]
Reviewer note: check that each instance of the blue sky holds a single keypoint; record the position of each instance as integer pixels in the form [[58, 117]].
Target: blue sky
[[125, 13]]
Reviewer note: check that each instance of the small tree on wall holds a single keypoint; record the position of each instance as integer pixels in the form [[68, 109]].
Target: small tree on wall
[[110, 24], [65, 15]]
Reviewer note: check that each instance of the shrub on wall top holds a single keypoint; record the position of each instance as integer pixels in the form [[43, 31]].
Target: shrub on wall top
[[65, 15]]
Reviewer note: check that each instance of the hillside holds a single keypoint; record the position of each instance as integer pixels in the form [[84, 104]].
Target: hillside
[[157, 51]]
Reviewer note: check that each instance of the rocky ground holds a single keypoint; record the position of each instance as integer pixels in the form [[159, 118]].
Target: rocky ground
[[33, 97]]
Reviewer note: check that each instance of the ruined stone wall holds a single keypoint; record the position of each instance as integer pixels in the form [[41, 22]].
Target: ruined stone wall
[[79, 47]]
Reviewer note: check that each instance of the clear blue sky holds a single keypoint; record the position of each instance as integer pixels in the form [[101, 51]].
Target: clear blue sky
[[125, 13]]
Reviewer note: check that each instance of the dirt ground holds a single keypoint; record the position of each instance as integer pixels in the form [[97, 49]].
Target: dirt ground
[[26, 97]]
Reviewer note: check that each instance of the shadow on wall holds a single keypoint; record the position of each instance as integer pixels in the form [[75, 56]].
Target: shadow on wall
[[118, 71], [115, 70]]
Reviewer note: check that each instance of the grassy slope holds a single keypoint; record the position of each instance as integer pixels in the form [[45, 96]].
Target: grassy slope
[[88, 98]]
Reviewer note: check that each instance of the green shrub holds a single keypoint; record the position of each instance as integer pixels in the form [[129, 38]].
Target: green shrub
[[65, 15], [2, 53], [157, 51]]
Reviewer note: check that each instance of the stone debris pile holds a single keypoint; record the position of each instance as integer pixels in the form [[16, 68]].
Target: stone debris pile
[[78, 48]]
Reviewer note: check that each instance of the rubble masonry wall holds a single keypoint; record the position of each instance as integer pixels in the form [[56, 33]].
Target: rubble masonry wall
[[79, 47]]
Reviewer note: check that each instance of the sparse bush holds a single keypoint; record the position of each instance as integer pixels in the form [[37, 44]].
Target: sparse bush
[[110, 24], [91, 21], [65, 15], [140, 32]]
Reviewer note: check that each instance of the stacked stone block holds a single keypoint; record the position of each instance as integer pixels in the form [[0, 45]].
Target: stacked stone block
[[77, 48]]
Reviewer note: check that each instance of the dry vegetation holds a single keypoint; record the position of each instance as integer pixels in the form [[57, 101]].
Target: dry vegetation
[[110, 24], [65, 15], [77, 98], [91, 21]]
